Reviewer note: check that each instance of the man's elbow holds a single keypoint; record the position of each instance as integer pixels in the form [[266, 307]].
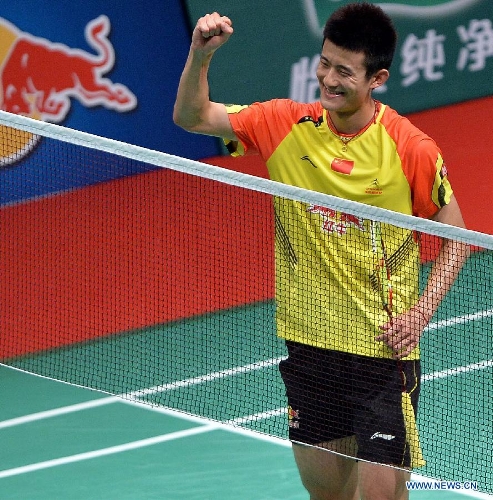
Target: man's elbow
[[189, 124], [213, 121], [182, 121]]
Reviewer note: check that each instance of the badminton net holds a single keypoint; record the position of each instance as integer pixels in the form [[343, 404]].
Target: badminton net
[[171, 283]]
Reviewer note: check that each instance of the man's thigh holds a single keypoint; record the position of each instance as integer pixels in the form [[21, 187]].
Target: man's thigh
[[328, 474], [325, 474], [380, 482]]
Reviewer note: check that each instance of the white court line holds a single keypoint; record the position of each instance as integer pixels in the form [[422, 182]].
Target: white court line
[[258, 365], [458, 370], [257, 416], [135, 395], [457, 320], [41, 415], [107, 451]]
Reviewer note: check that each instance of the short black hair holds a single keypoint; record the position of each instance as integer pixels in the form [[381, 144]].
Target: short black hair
[[364, 27]]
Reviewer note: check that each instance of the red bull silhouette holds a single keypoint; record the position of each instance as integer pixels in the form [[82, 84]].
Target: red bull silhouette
[[39, 77], [335, 222]]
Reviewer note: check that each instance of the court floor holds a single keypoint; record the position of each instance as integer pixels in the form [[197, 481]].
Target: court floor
[[61, 441]]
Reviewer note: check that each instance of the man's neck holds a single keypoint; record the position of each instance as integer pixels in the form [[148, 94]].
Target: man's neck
[[352, 122]]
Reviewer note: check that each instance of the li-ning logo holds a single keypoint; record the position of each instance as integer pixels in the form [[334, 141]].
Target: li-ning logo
[[307, 158], [380, 435]]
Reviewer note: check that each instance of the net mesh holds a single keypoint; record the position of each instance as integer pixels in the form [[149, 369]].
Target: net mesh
[[173, 287]]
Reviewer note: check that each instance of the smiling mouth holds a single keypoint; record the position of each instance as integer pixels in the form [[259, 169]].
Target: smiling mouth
[[333, 93]]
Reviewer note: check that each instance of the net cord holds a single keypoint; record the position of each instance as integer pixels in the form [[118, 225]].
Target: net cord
[[239, 179]]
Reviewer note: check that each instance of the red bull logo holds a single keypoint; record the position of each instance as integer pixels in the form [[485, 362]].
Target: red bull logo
[[334, 222], [38, 78], [293, 418]]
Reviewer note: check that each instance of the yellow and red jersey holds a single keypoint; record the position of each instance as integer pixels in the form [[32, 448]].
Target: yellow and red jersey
[[330, 287]]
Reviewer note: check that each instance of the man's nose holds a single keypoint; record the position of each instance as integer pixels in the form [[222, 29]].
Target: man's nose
[[330, 79]]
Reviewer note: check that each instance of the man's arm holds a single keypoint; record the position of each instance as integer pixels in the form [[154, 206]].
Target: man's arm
[[449, 262], [194, 111], [402, 334]]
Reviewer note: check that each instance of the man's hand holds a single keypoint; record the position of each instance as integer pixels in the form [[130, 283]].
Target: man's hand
[[402, 334], [210, 33]]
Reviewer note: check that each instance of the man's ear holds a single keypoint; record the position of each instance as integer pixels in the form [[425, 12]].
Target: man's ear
[[379, 78]]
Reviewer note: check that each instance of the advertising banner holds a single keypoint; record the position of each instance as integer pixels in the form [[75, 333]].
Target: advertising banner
[[107, 68], [444, 53]]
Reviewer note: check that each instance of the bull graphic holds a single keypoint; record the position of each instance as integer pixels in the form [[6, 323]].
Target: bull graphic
[[39, 77]]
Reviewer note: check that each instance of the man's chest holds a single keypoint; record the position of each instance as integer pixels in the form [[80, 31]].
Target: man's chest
[[366, 168]]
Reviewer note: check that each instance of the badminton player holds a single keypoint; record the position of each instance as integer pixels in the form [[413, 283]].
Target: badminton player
[[347, 291]]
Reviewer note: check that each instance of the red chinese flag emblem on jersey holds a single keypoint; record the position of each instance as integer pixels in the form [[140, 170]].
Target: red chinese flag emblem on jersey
[[342, 166]]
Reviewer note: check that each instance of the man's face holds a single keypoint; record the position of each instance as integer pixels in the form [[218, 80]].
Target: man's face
[[342, 79]]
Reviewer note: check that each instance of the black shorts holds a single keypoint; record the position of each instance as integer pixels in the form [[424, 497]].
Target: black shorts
[[332, 395]]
